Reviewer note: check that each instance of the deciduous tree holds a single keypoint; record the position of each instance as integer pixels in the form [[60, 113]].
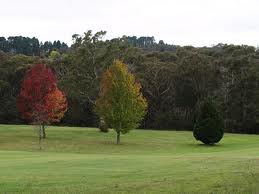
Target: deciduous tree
[[40, 101], [121, 103]]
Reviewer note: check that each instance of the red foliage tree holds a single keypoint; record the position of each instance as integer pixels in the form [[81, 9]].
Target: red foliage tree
[[40, 101], [56, 105]]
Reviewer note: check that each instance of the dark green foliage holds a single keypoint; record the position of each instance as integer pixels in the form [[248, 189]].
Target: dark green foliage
[[30, 46], [20, 45], [208, 127], [148, 43], [12, 69]]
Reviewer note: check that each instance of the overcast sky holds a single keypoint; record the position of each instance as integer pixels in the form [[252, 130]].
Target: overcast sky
[[181, 22]]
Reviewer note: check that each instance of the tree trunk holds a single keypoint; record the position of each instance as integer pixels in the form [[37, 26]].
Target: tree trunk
[[118, 137], [43, 131], [40, 135]]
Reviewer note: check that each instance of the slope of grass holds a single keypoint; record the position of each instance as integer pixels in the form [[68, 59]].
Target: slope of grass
[[83, 160]]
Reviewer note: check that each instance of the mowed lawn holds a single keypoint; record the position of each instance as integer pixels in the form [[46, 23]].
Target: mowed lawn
[[83, 160]]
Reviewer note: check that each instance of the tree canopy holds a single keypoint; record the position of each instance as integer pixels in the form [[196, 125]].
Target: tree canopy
[[120, 103], [40, 101]]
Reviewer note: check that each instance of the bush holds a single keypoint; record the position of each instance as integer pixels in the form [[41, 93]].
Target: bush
[[208, 127], [103, 126]]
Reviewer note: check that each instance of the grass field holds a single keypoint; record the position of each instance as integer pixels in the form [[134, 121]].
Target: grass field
[[83, 160]]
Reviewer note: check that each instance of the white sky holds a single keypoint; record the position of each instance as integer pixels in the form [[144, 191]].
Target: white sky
[[182, 22]]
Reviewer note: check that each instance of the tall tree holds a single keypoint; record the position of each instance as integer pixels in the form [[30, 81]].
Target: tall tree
[[121, 103], [40, 101]]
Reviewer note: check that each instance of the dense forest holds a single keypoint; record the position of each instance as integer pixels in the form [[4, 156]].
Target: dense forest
[[175, 80]]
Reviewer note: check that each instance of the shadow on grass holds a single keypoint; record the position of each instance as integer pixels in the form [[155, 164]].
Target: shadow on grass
[[201, 145], [113, 143], [208, 145]]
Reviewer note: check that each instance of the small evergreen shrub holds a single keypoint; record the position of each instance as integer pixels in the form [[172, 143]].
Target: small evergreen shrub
[[208, 127], [103, 126]]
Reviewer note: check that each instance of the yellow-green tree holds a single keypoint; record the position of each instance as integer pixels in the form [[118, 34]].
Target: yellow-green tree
[[121, 103]]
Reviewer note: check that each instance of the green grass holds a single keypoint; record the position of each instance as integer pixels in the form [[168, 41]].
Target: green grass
[[83, 160]]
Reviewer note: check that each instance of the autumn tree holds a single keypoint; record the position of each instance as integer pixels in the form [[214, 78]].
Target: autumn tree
[[40, 101], [121, 103]]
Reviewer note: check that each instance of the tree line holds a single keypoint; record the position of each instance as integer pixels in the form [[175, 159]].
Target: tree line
[[175, 80], [30, 46], [120, 105]]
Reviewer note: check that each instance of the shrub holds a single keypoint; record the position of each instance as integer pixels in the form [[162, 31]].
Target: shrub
[[103, 126], [208, 127]]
